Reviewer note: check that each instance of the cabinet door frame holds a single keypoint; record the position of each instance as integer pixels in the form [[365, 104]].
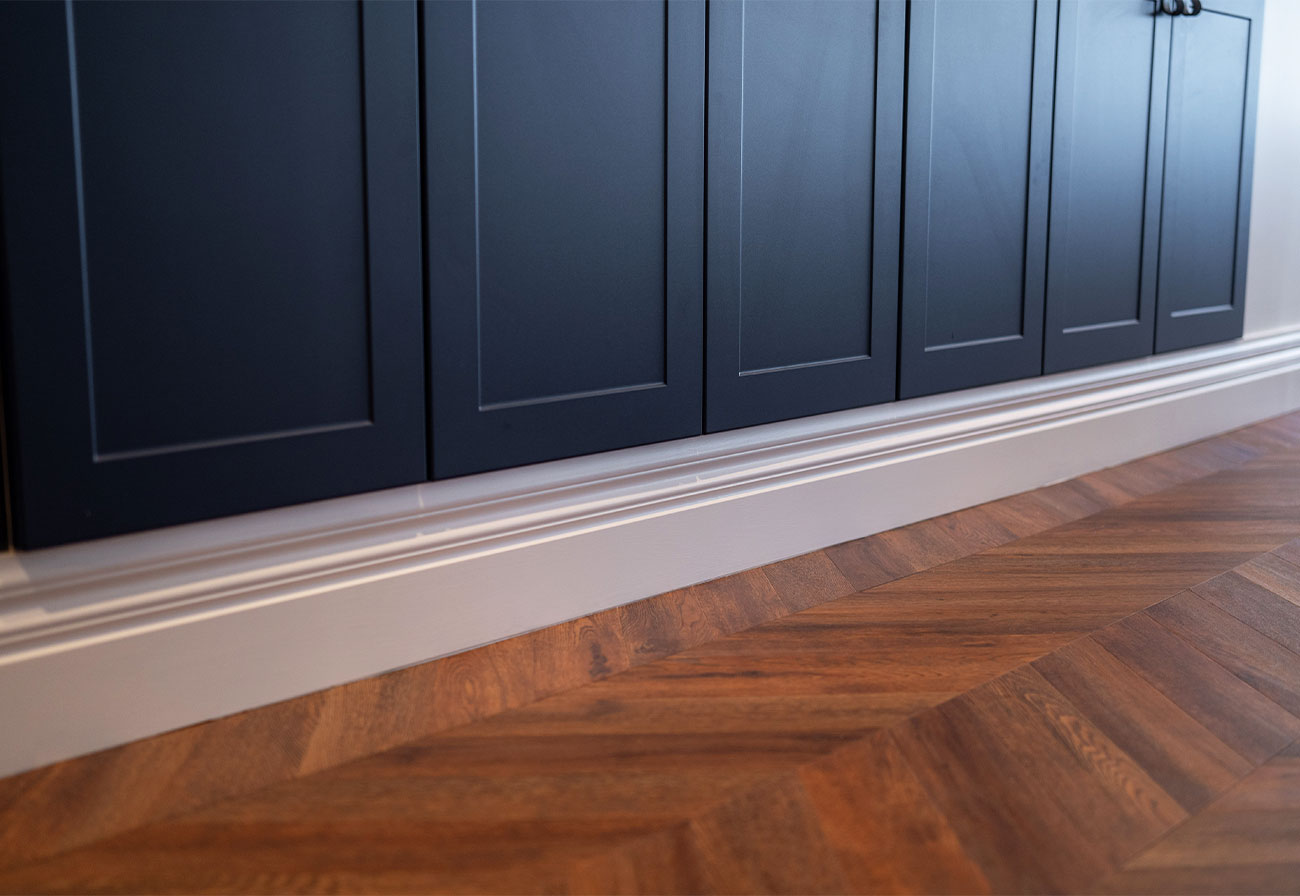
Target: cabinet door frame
[[1067, 348], [1177, 330], [923, 369], [64, 489], [737, 397], [469, 436]]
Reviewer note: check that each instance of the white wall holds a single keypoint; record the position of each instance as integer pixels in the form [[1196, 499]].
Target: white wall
[[1273, 274]]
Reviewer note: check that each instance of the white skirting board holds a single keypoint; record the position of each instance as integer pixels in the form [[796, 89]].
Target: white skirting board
[[108, 641]]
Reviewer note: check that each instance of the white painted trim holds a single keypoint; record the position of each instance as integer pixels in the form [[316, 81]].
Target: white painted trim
[[112, 640]]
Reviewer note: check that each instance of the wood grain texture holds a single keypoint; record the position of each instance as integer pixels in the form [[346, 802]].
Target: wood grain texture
[[1243, 718], [888, 833], [1264, 593], [1248, 841], [1185, 757], [681, 743], [1249, 654], [760, 762]]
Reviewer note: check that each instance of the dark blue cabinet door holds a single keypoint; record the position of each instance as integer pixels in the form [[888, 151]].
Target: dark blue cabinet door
[[805, 178], [211, 217], [1108, 152], [1213, 82], [975, 214], [565, 166]]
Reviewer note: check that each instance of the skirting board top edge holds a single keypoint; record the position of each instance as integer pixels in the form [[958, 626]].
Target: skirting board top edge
[[87, 590]]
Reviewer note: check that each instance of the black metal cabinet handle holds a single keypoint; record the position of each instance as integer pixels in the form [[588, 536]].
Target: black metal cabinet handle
[[1173, 7], [1194, 7]]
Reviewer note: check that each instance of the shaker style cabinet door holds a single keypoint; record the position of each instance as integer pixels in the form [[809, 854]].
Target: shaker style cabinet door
[[565, 177], [212, 234], [1213, 83], [805, 176], [1111, 80], [979, 128]]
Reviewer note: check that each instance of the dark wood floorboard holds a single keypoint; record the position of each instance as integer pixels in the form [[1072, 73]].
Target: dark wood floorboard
[[1246, 842]]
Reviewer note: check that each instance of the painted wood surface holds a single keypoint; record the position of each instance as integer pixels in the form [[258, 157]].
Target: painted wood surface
[[805, 181], [979, 153], [565, 177], [1209, 161], [213, 270], [1112, 72]]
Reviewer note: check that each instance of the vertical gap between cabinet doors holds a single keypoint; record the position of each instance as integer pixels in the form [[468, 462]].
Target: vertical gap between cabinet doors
[[426, 295], [1051, 176], [1144, 255], [704, 226], [664, 204], [902, 194], [1034, 50], [367, 222], [6, 492], [1164, 183]]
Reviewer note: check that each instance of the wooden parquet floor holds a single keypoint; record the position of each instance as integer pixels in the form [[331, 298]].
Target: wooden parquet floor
[[1090, 688]]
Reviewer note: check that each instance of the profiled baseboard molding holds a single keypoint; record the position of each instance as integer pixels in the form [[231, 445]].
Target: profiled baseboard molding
[[108, 641]]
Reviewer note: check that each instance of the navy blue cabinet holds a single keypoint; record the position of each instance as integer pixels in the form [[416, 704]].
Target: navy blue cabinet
[[640, 221], [805, 163], [211, 226], [1213, 84], [565, 167], [979, 106], [1112, 77], [1150, 178]]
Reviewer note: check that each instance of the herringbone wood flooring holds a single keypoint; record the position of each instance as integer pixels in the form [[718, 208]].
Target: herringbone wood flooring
[[1091, 687]]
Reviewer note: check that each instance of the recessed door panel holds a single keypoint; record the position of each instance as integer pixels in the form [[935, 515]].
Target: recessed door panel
[[805, 104], [1111, 80], [214, 258], [974, 250], [1213, 81], [565, 178]]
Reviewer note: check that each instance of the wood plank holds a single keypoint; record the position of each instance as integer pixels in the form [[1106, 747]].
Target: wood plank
[[1289, 552], [664, 625], [889, 835], [847, 663], [1115, 804], [1262, 879], [1248, 841], [897, 553], [1265, 608], [1275, 573], [807, 580], [1029, 513], [1145, 476], [767, 841], [1011, 825], [1217, 453], [663, 862], [1181, 754], [1239, 715], [1256, 659], [577, 652]]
